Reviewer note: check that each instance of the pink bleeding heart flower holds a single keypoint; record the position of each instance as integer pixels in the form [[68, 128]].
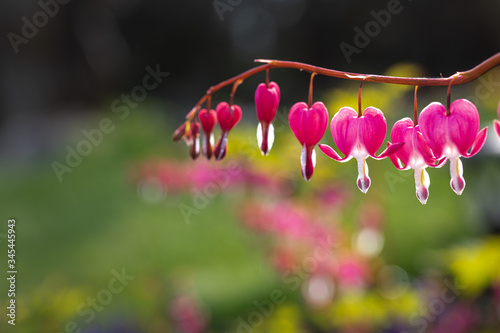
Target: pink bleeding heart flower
[[208, 119], [228, 117], [308, 124], [496, 123], [452, 135], [267, 99], [359, 137], [415, 154]]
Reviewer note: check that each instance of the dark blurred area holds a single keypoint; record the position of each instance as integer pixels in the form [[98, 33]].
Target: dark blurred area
[[90, 51]]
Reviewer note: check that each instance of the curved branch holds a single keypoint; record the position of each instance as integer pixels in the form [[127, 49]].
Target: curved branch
[[457, 78]]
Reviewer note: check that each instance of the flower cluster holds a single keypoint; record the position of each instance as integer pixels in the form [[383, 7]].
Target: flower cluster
[[432, 138]]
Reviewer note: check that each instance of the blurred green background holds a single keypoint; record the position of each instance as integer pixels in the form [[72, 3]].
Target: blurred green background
[[119, 211]]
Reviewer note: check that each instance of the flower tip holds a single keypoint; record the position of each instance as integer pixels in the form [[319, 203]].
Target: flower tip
[[423, 195], [364, 184], [458, 185]]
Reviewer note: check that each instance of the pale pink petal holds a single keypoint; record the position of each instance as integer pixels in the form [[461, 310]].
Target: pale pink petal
[[316, 121], [396, 161], [478, 142], [402, 132], [422, 148], [463, 124], [433, 125], [372, 129], [344, 128], [392, 149], [296, 120], [330, 152]]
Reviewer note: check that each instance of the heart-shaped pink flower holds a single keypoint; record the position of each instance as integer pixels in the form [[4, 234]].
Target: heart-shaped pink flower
[[228, 117], [267, 98], [452, 135], [415, 154], [208, 119], [359, 137], [309, 126]]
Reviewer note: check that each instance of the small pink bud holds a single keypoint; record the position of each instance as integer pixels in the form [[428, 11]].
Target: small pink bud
[[267, 99]]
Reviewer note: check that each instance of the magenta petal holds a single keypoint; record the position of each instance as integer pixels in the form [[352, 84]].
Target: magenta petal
[[396, 161], [392, 149], [308, 124], [344, 128], [267, 99], [228, 116], [208, 119], [316, 123], [463, 124], [423, 149], [478, 142], [330, 152], [372, 129], [402, 132], [296, 120], [496, 124], [433, 125]]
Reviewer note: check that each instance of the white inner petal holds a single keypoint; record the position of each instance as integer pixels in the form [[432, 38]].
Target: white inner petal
[[303, 159], [259, 135], [270, 137]]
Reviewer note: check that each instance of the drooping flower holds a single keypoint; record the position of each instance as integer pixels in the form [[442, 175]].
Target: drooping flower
[[415, 154], [267, 98], [359, 137], [308, 124], [228, 117], [194, 152], [451, 135], [190, 133], [496, 123], [208, 119]]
